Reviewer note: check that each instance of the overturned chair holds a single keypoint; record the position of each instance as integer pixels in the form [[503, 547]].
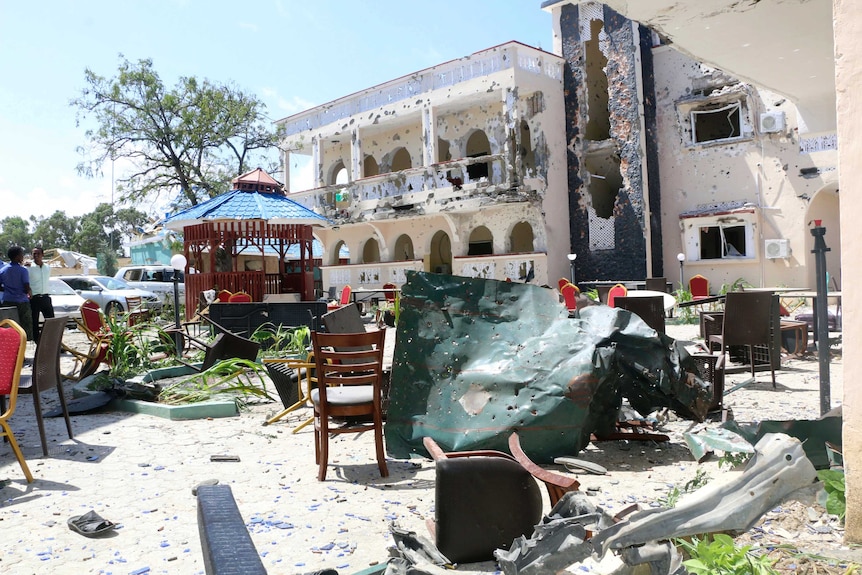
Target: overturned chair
[[485, 499]]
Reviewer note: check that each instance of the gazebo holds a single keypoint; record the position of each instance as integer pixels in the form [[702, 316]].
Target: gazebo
[[239, 241]]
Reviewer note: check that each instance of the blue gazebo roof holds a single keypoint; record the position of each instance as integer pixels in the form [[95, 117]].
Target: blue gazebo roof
[[276, 208]]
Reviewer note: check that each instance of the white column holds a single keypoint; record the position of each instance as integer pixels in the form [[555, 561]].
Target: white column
[[285, 162], [429, 137], [317, 161], [355, 156]]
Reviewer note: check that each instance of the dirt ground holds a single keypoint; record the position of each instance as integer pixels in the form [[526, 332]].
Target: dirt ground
[[139, 471]]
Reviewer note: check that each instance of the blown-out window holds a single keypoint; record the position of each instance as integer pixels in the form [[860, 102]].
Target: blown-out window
[[724, 241], [723, 236]]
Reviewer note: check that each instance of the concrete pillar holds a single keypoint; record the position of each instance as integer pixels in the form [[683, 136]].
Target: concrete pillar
[[847, 30]]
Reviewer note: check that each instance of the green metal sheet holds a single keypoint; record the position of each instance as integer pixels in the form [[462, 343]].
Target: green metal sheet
[[475, 359]]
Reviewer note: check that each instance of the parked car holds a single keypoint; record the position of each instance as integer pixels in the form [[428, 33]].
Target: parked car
[[154, 278], [111, 293], [66, 301]]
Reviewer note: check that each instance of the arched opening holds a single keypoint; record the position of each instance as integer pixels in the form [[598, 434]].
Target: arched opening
[[370, 167], [440, 257], [481, 242], [528, 157], [370, 251], [521, 240], [477, 146], [443, 152], [338, 174], [340, 254], [401, 160], [403, 249], [825, 206]]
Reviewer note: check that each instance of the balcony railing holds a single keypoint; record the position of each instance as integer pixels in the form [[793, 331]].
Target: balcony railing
[[462, 179]]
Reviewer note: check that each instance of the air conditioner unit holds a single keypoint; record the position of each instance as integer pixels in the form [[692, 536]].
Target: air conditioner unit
[[771, 122], [776, 249]]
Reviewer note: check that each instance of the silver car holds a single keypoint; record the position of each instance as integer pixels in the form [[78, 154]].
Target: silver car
[[111, 293], [65, 300]]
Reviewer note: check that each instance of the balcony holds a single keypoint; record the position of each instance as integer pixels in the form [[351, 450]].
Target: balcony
[[457, 185]]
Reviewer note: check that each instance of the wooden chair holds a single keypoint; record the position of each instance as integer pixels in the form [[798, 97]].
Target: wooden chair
[[349, 369], [13, 344], [618, 290], [747, 321], [698, 286], [343, 300], [46, 375]]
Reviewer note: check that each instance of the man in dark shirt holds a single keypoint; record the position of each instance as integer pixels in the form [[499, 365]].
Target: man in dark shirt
[[15, 283]]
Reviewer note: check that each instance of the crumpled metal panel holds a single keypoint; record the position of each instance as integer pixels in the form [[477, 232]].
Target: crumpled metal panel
[[477, 358]]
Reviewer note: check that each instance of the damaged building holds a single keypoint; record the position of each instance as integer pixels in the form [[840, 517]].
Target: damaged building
[[459, 168], [620, 149], [669, 159]]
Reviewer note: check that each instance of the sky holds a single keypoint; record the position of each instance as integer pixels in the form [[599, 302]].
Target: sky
[[292, 54]]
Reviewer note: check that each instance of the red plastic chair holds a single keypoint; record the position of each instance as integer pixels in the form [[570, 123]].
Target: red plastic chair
[[570, 296], [619, 290], [698, 286]]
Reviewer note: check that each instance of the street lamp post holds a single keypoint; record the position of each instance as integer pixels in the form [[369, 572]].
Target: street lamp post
[[681, 257], [572, 258], [178, 262]]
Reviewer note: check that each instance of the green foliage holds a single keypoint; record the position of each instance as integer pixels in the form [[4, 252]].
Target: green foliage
[[686, 314], [14, 232], [738, 285], [593, 294], [700, 479], [231, 376], [193, 137], [719, 555], [733, 459], [833, 485], [281, 340]]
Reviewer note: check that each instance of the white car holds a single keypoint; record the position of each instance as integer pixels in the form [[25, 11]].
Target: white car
[[66, 301], [154, 278], [111, 293]]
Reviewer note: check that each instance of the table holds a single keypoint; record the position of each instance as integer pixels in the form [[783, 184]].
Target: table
[[668, 300], [701, 301]]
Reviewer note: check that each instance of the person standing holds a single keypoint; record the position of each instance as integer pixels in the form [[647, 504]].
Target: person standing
[[40, 291], [15, 283]]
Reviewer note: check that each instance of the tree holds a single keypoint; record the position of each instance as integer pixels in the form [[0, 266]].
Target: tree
[[186, 142], [14, 232], [55, 231]]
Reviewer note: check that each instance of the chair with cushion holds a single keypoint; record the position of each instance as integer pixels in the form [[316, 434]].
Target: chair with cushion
[[698, 286], [570, 296], [343, 300], [239, 297], [46, 375], [13, 344], [747, 321], [349, 368], [223, 296], [618, 290], [475, 494], [387, 305], [561, 283], [93, 324]]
